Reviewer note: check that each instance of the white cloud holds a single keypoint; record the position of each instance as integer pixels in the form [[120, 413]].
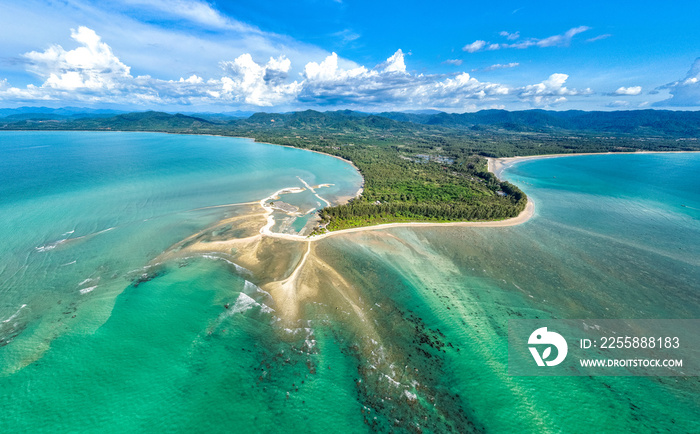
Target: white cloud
[[684, 92], [599, 37], [329, 71], [501, 66], [550, 92], [144, 37], [389, 85], [190, 10], [395, 63], [346, 36], [561, 40], [92, 73], [456, 62], [510, 36], [618, 104], [254, 84], [632, 90], [91, 66], [474, 46]]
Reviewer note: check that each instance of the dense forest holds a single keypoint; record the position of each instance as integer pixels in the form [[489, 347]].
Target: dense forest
[[416, 167]]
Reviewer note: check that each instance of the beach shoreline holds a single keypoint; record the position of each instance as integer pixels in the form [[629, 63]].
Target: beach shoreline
[[498, 165]]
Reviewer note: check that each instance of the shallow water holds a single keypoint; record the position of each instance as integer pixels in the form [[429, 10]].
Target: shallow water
[[82, 214], [601, 245], [409, 335]]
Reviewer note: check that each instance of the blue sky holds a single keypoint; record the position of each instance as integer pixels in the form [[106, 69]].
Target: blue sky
[[195, 55]]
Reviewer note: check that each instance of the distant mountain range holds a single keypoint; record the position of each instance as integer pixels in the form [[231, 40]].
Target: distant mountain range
[[644, 123]]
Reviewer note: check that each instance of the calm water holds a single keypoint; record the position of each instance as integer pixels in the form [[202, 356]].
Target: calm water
[[611, 239]]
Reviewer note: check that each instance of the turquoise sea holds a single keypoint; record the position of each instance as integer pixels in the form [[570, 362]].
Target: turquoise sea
[[97, 338]]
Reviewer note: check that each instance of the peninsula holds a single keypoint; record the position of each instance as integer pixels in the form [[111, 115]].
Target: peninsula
[[419, 168]]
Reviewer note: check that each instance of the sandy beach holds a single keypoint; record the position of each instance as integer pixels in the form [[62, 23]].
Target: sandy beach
[[524, 216]]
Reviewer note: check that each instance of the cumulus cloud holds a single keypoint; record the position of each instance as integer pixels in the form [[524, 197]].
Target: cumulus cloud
[[550, 92], [91, 72], [395, 63], [632, 90], [259, 85], [561, 40], [389, 84], [684, 92], [328, 71], [90, 66], [146, 36]]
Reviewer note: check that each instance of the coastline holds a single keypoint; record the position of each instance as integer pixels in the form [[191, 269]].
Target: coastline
[[521, 218], [303, 149], [494, 165], [498, 165]]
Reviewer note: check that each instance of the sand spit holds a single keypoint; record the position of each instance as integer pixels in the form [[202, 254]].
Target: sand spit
[[288, 269], [286, 265]]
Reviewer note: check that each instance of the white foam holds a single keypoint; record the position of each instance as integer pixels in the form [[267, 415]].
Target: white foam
[[250, 287], [86, 281], [236, 266], [14, 315], [243, 303], [89, 289], [69, 263], [50, 246], [262, 291]]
